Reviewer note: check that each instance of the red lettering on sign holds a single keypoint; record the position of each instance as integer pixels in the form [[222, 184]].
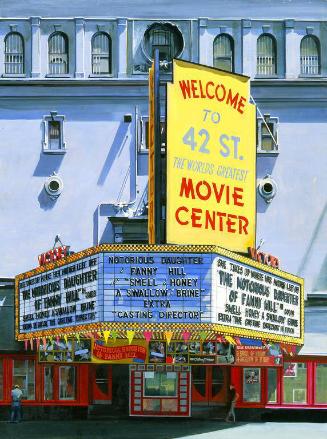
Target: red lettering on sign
[[197, 89], [264, 258], [204, 190], [53, 255]]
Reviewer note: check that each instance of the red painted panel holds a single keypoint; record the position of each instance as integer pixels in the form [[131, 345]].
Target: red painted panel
[[101, 378]]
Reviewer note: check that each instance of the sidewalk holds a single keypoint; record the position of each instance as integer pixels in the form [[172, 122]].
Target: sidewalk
[[145, 428]]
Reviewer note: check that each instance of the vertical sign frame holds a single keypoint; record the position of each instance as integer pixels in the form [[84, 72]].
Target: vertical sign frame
[[151, 192], [155, 173]]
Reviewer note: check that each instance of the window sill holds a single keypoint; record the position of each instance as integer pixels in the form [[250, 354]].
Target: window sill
[[13, 75], [54, 151], [268, 77], [163, 75], [311, 76], [64, 75], [269, 153], [143, 151], [109, 75], [146, 151]]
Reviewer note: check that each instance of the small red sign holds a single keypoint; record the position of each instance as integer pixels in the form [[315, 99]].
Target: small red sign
[[54, 255], [264, 258], [256, 356]]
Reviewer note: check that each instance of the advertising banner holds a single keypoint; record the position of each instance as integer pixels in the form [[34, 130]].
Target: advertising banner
[[258, 356], [176, 287], [211, 157], [119, 352]]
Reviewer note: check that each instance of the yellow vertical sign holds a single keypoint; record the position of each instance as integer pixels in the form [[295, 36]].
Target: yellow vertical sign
[[211, 157], [151, 191]]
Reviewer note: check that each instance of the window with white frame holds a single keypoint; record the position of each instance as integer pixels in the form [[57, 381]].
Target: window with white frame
[[267, 134], [53, 134], [58, 54], [144, 133], [101, 54], [321, 383], [295, 383], [48, 378], [1, 379], [266, 55], [223, 48], [310, 55], [14, 54], [24, 377], [67, 382]]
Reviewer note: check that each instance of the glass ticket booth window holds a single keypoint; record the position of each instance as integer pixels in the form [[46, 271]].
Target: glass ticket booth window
[[160, 390], [160, 383]]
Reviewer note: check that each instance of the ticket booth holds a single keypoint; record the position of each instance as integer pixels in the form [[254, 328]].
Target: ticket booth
[[160, 390]]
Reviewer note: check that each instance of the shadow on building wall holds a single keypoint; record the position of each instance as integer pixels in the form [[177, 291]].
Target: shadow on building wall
[[45, 202], [114, 152], [265, 166]]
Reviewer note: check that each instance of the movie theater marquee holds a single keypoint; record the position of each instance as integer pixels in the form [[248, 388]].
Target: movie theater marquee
[[175, 287]]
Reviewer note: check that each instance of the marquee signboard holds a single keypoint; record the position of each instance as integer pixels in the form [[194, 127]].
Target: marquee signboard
[[159, 287], [211, 158]]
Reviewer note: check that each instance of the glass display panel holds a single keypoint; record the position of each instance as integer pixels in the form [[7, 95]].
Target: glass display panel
[[194, 347], [161, 384], [209, 348], [169, 405], [295, 383], [67, 382], [48, 382], [24, 376], [157, 352], [1, 379], [57, 350], [321, 384], [251, 384], [151, 405], [272, 385]]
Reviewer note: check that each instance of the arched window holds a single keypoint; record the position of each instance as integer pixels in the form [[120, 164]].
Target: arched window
[[101, 54], [223, 52], [14, 53], [266, 55], [310, 55], [165, 37], [58, 53]]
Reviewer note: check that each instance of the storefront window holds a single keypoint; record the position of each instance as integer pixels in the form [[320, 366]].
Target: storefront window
[[24, 376], [1, 379], [160, 384], [272, 385], [295, 383], [48, 383], [67, 386], [321, 384], [251, 384]]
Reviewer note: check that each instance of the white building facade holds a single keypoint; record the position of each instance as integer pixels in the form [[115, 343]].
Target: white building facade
[[74, 108]]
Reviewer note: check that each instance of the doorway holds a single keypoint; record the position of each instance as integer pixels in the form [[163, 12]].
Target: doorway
[[102, 384], [209, 385]]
